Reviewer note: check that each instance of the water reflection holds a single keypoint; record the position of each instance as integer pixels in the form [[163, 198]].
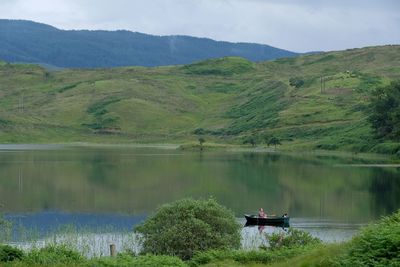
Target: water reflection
[[385, 190], [138, 180]]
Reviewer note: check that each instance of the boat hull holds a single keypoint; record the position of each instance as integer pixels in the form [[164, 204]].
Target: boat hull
[[273, 221]]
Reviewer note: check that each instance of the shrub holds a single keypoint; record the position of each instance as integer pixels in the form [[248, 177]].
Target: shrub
[[376, 245], [250, 140], [201, 141], [274, 141], [123, 260], [244, 256], [54, 255], [200, 131], [387, 148], [293, 238], [296, 82], [385, 111], [187, 226], [8, 253], [5, 229]]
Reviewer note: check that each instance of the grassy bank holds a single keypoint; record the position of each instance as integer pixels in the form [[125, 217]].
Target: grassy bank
[[226, 101], [375, 245]]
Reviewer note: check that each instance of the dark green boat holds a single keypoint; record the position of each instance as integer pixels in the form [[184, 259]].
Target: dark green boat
[[271, 220]]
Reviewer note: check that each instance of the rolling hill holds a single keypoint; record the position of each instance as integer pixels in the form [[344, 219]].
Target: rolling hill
[[225, 100], [31, 42]]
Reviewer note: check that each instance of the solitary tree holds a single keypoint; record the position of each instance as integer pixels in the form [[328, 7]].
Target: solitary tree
[[250, 140], [201, 141], [274, 141]]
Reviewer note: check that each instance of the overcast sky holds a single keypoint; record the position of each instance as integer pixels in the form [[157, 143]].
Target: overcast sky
[[300, 26]]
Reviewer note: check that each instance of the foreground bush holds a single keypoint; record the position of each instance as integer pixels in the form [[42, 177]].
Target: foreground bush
[[5, 229], [8, 253], [314, 256], [123, 260], [54, 255], [376, 245], [187, 226], [292, 238], [244, 257]]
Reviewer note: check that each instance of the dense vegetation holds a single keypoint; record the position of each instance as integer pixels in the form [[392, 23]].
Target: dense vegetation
[[385, 115], [225, 100], [27, 41], [188, 226], [9, 253], [376, 245], [293, 238]]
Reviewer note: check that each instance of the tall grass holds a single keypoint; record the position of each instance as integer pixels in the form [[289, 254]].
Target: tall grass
[[89, 241]]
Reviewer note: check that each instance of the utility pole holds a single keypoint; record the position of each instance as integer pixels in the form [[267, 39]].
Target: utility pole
[[321, 84], [21, 104]]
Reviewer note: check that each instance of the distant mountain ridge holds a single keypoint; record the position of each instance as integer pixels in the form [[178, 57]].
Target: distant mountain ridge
[[31, 42]]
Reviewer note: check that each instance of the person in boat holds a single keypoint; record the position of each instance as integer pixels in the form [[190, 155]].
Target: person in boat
[[261, 213], [285, 215]]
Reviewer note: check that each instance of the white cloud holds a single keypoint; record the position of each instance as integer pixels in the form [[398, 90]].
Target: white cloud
[[295, 25]]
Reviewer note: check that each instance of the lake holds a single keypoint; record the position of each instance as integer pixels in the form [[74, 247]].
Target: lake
[[45, 186]]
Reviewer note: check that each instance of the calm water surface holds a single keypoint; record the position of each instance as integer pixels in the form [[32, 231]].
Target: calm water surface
[[45, 186]]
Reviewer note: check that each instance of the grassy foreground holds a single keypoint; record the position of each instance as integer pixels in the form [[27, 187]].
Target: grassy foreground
[[375, 245], [223, 100]]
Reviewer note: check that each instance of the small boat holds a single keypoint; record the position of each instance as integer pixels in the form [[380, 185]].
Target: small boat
[[270, 220]]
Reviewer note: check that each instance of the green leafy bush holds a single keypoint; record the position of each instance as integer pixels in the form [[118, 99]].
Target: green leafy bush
[[296, 82], [54, 255], [187, 226], [199, 131], [8, 253], [123, 260], [387, 148], [293, 238], [244, 256], [250, 140], [274, 141], [368, 82], [5, 229], [385, 111], [376, 245]]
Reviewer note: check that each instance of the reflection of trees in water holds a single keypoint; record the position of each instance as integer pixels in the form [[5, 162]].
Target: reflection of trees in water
[[261, 158], [102, 168], [258, 173], [312, 187], [385, 188], [255, 171]]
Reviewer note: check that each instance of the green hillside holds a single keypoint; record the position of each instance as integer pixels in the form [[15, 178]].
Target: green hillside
[[225, 100]]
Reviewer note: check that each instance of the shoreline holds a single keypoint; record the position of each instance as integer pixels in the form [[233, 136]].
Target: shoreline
[[216, 147]]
